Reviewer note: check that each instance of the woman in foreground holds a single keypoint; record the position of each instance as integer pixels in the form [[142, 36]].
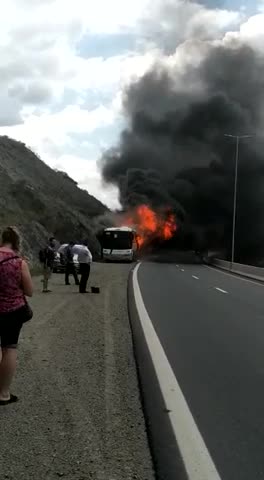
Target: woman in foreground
[[15, 285]]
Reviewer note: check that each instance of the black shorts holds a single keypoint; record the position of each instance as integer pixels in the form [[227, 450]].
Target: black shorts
[[10, 327]]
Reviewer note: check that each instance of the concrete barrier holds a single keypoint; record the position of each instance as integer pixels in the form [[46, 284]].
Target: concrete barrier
[[250, 271]]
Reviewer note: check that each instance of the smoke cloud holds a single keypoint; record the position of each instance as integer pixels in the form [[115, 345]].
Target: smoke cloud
[[174, 151]]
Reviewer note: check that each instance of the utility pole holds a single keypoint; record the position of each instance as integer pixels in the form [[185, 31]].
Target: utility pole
[[237, 138]]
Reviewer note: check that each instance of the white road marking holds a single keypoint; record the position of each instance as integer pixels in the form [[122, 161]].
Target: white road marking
[[177, 266], [198, 463], [196, 278], [220, 290], [182, 270]]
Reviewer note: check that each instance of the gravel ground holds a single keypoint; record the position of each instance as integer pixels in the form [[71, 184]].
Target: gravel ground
[[79, 414]]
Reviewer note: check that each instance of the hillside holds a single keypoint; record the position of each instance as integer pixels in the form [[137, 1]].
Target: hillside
[[43, 202]]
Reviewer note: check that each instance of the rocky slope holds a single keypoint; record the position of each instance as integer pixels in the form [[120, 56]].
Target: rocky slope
[[42, 202]]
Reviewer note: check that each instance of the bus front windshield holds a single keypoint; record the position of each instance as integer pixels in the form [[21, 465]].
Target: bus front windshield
[[118, 240]]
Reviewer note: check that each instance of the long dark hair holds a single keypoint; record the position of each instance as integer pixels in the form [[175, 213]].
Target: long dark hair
[[10, 236]]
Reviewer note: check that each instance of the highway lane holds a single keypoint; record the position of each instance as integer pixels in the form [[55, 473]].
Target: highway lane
[[211, 326]]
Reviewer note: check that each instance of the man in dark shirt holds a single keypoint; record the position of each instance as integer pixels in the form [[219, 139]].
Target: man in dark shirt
[[69, 264], [48, 263]]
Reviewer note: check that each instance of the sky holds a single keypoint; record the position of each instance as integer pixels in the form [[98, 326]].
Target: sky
[[64, 68]]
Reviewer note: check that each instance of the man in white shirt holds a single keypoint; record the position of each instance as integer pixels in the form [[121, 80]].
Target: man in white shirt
[[85, 260]]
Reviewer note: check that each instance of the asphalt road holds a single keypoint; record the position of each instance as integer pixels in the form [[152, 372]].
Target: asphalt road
[[79, 416], [211, 327]]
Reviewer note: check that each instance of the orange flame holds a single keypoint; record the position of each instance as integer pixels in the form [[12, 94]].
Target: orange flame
[[149, 224]]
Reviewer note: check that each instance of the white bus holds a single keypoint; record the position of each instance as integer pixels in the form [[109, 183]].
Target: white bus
[[119, 244]]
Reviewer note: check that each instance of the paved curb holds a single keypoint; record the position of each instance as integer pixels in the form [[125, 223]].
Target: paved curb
[[246, 271]]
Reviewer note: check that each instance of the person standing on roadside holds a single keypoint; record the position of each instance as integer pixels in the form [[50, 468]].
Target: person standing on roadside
[[47, 256], [15, 285], [70, 268], [85, 260]]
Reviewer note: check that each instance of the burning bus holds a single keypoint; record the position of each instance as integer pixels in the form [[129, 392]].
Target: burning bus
[[137, 229], [119, 244]]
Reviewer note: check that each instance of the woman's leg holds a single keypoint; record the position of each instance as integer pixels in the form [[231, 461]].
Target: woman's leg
[[10, 331], [8, 360]]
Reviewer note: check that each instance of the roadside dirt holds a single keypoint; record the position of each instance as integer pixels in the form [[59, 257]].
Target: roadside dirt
[[79, 414]]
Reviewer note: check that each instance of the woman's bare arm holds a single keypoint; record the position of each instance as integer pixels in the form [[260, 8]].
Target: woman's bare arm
[[27, 284]]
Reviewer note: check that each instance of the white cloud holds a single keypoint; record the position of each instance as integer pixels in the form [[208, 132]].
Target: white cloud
[[56, 129], [39, 49], [171, 22], [251, 32], [96, 17]]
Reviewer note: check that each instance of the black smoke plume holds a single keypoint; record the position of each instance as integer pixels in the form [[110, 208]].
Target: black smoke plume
[[174, 152]]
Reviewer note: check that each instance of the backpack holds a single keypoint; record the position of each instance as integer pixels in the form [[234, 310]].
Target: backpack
[[42, 255]]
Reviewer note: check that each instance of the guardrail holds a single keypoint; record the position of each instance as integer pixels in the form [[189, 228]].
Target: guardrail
[[250, 271]]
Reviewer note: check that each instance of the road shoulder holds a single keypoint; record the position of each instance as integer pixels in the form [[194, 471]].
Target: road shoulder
[[79, 416]]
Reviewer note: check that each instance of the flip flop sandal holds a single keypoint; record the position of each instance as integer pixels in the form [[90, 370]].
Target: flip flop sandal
[[12, 399]]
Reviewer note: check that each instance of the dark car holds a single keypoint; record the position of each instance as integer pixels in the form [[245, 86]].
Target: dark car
[[59, 263]]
